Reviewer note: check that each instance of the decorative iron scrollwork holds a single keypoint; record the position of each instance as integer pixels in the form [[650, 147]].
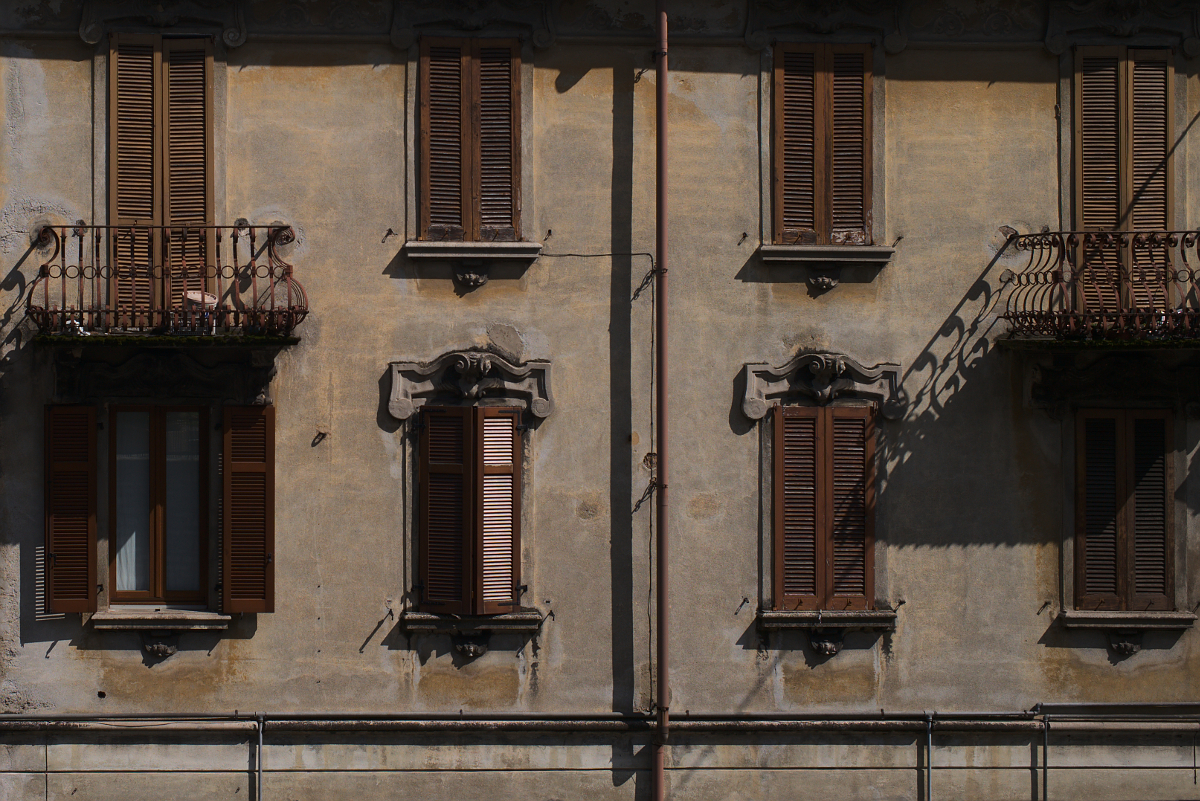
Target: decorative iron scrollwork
[[468, 376], [822, 377]]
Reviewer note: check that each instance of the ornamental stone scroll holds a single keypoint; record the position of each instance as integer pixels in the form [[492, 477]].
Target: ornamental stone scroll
[[467, 377], [822, 377]]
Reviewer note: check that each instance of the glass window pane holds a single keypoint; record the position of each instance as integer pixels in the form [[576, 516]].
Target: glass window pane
[[182, 535], [132, 535]]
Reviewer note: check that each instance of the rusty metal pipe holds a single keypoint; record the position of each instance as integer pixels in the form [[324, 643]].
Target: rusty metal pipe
[[662, 731]]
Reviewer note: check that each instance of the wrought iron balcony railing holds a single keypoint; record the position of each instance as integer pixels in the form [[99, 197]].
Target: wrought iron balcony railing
[[207, 281], [1130, 285]]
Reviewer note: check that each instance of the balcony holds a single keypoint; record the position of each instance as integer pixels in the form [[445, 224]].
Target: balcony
[[177, 283], [1131, 288]]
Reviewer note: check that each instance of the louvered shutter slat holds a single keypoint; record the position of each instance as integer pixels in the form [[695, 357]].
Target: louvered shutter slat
[[849, 148], [445, 509], [497, 153], [799, 521], [186, 65], [798, 192], [1099, 166], [70, 456], [851, 478], [500, 510], [1151, 506], [1099, 584], [443, 142], [1150, 201], [248, 512]]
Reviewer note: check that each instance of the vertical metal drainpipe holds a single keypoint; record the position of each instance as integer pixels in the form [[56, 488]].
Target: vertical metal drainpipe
[[1045, 754], [258, 757], [929, 758], [660, 317]]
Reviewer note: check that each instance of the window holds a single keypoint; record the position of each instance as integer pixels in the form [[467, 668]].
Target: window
[[159, 172], [470, 140], [1123, 139], [1124, 489], [824, 500], [158, 479], [470, 510], [822, 144]]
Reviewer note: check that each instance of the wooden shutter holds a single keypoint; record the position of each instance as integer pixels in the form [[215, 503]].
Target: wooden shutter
[[499, 510], [135, 115], [498, 66], [444, 110], [248, 543], [851, 501], [800, 516], [849, 149], [1099, 175], [1149, 109], [1150, 548], [187, 66], [798, 180], [446, 509], [1099, 546], [70, 454]]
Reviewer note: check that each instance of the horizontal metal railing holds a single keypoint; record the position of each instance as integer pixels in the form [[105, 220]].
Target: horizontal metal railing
[[202, 280], [1133, 285]]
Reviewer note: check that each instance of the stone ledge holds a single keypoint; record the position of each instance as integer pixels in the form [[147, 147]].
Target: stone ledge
[[862, 619], [1126, 621], [159, 620], [523, 622], [491, 251], [831, 255]]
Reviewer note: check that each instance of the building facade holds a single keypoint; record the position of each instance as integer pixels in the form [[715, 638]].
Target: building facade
[[328, 399]]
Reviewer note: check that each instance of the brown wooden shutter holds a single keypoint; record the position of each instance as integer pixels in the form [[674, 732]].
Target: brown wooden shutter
[[1150, 107], [444, 178], [187, 66], [1099, 546], [1150, 549], [248, 558], [849, 150], [799, 163], [800, 516], [498, 65], [498, 513], [70, 454], [851, 487], [446, 509], [134, 179]]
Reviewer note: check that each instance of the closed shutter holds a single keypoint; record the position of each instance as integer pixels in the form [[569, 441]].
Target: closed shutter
[[446, 509], [1150, 194], [70, 454], [1098, 143], [248, 542], [849, 151], [499, 542], [1099, 580], [799, 172], [499, 119], [187, 64], [444, 113], [1149, 495], [851, 488], [799, 514], [134, 179]]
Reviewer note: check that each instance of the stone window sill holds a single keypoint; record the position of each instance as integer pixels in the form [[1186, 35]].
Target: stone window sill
[[155, 619], [862, 620], [472, 261], [527, 621], [826, 263], [1126, 621]]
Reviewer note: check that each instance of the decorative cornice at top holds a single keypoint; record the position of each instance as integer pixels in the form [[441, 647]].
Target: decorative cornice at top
[[822, 377], [468, 376], [411, 18], [178, 16], [770, 20], [1118, 20]]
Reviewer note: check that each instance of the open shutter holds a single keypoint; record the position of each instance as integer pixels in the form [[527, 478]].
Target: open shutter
[[851, 488], [187, 65], [444, 178], [799, 513], [1099, 562], [799, 170], [1149, 518], [849, 150], [70, 454], [446, 509], [134, 196], [499, 513], [1150, 169], [499, 154], [248, 542], [1099, 178]]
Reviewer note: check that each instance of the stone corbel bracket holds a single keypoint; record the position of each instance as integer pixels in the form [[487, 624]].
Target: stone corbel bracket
[[822, 377], [411, 18], [771, 20], [470, 376], [181, 16]]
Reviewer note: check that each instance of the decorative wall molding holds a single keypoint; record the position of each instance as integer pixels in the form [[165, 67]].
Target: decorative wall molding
[[175, 16], [769, 20], [410, 18], [822, 377], [83, 375], [1170, 377], [470, 376], [1120, 20]]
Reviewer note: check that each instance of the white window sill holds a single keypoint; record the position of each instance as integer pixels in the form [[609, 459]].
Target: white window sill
[[523, 622], [826, 255], [1126, 621], [489, 251], [159, 619], [860, 619]]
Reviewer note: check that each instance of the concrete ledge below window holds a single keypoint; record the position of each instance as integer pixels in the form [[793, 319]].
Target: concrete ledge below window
[[159, 620], [1126, 621], [523, 622], [472, 262], [862, 619], [832, 255]]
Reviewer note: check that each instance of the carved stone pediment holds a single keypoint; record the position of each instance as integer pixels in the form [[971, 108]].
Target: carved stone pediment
[[822, 377], [173, 16], [410, 18], [1171, 20], [770, 20], [468, 377]]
